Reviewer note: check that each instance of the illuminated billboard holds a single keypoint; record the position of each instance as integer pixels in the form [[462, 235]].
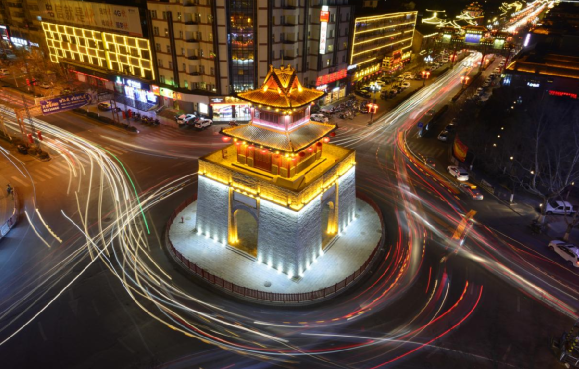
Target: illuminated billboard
[[324, 18]]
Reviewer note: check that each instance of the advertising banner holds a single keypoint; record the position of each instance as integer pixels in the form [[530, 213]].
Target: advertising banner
[[459, 149], [64, 103], [121, 19]]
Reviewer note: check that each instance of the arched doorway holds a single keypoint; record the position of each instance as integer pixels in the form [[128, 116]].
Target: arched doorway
[[329, 228], [245, 231]]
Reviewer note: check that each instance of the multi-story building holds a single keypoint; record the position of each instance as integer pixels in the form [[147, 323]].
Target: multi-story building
[[20, 22], [381, 43], [209, 50], [103, 45]]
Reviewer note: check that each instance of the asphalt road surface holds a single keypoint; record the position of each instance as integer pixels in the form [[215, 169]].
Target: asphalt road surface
[[85, 282]]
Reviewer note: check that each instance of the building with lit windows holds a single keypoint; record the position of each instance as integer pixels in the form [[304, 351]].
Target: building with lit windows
[[209, 50], [381, 43], [281, 173], [102, 45], [20, 23]]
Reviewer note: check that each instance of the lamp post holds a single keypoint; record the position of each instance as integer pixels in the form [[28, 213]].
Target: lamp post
[[372, 108], [425, 75], [464, 81]]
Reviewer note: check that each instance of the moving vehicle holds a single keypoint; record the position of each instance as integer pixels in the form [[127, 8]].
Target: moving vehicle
[[104, 106], [559, 207], [186, 119], [566, 250], [471, 190], [203, 123], [443, 136], [319, 118], [458, 173], [405, 85]]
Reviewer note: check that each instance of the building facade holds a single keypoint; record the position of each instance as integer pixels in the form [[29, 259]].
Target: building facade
[[20, 23], [381, 43], [209, 50]]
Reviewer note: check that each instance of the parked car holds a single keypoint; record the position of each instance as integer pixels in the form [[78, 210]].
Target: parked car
[[471, 190], [486, 84], [4, 72], [445, 60], [443, 136], [450, 127], [104, 106], [203, 123], [186, 119], [458, 173], [559, 207], [362, 93], [405, 85], [380, 83], [480, 90], [44, 85], [319, 118], [566, 250]]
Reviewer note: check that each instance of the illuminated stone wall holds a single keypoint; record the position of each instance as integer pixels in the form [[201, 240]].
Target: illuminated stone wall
[[212, 209]]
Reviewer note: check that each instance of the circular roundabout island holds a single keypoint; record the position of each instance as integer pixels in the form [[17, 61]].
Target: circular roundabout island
[[277, 218]]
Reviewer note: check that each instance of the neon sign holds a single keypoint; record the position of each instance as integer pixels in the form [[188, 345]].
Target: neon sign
[[324, 27], [561, 93], [329, 78]]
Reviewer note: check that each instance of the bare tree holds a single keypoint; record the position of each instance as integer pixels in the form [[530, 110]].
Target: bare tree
[[544, 149]]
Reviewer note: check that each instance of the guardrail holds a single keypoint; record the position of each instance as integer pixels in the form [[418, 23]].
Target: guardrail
[[272, 297], [10, 222]]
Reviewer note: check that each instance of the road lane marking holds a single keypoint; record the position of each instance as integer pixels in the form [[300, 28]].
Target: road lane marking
[[42, 332], [114, 151], [20, 181], [51, 171], [42, 176]]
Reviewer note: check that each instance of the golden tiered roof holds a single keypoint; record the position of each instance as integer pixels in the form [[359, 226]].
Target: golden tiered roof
[[281, 90]]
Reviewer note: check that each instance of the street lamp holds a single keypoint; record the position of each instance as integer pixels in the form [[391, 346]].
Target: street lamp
[[425, 75], [372, 108], [464, 80]]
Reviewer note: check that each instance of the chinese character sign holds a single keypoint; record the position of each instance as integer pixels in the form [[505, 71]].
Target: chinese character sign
[[64, 103], [329, 78], [84, 14]]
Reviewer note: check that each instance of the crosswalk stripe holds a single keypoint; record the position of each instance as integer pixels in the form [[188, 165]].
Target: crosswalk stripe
[[62, 165], [20, 181], [159, 135], [118, 149], [42, 176], [63, 171], [51, 171], [116, 152]]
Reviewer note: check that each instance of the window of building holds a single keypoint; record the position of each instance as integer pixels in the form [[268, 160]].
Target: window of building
[[184, 69], [210, 36], [202, 85], [162, 78], [166, 32], [164, 15], [158, 47], [328, 62], [331, 35], [193, 85], [209, 18], [154, 14], [181, 34], [178, 16], [273, 21], [202, 69], [170, 65], [282, 19], [330, 48], [160, 62], [201, 54], [343, 58], [186, 84], [332, 17], [156, 31], [182, 51], [168, 49], [212, 71]]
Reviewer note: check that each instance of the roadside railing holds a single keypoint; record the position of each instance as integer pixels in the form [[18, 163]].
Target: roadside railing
[[271, 296], [13, 219]]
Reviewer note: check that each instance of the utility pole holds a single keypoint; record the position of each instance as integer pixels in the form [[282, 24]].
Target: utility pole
[[32, 128]]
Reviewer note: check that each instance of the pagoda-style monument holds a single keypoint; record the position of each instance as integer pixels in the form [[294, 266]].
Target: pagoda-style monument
[[281, 173]]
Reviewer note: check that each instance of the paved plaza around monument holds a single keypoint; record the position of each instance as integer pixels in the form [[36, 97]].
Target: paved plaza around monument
[[343, 257]]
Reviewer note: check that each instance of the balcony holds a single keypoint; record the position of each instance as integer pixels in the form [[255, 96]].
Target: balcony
[[192, 40], [289, 41], [289, 6], [192, 57]]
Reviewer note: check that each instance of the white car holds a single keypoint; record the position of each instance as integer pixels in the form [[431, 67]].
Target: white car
[[405, 85], [203, 123], [44, 85], [566, 250], [185, 118], [559, 207], [479, 90], [445, 60], [443, 136], [459, 173], [319, 118]]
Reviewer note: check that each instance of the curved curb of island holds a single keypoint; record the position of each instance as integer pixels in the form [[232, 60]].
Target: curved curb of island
[[273, 298]]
